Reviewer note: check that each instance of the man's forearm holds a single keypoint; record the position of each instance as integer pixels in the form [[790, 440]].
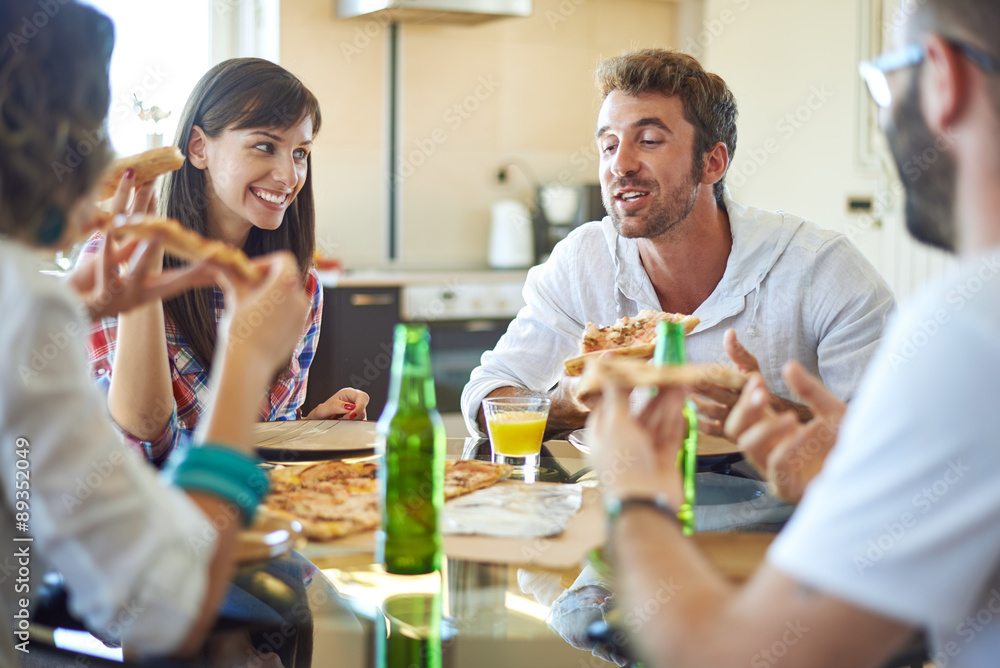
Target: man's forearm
[[564, 414], [684, 614], [654, 562]]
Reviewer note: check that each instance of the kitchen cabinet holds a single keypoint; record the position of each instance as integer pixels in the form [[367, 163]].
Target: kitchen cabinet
[[355, 345], [466, 314]]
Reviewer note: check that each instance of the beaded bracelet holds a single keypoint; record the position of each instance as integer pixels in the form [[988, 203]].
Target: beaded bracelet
[[224, 472]]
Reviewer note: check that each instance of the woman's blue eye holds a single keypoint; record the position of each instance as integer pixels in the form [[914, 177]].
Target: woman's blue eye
[[265, 146], [301, 154]]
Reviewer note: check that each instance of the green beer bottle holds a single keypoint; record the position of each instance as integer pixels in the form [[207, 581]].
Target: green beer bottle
[[411, 479], [670, 351]]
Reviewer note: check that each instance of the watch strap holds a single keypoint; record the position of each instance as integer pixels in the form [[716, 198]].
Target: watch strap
[[615, 506]]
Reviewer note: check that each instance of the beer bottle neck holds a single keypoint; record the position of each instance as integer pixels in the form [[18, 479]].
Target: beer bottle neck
[[412, 384], [669, 344], [676, 355]]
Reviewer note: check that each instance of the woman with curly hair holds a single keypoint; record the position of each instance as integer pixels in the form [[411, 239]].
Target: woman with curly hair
[[247, 131], [125, 542]]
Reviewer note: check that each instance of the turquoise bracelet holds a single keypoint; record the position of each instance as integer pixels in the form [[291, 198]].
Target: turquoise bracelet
[[224, 472]]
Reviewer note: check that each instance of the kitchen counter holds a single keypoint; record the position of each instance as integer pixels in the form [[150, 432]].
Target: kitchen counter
[[400, 277]]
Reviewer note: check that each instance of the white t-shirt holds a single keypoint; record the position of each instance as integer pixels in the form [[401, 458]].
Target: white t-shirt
[[134, 552], [904, 519]]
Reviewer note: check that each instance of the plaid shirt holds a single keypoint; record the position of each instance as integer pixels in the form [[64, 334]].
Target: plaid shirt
[[190, 380]]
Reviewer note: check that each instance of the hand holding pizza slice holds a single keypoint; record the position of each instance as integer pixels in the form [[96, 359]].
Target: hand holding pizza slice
[[635, 338], [632, 373], [187, 244], [629, 337], [146, 166]]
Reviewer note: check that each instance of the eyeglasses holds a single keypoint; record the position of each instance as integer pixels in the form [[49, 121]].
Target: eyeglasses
[[874, 71]]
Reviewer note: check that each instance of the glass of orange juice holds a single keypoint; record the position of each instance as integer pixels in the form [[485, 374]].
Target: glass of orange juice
[[516, 426]]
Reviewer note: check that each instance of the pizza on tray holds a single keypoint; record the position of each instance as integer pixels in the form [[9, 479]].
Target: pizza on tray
[[629, 337], [336, 499]]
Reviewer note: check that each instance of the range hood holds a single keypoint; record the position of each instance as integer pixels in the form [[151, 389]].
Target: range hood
[[461, 12]]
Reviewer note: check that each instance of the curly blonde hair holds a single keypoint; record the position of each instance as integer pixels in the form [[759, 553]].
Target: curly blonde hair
[[53, 105]]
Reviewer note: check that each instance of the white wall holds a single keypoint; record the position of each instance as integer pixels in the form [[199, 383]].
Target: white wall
[[806, 138], [793, 68]]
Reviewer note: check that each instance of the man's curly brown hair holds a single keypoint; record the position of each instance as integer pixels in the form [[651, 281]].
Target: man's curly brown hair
[[54, 99], [709, 105]]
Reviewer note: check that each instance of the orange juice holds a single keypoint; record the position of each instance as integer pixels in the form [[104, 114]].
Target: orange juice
[[517, 434]]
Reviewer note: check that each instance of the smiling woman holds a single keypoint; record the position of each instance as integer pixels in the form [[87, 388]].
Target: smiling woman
[[247, 132]]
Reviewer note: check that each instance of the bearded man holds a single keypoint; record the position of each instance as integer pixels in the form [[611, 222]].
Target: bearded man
[[767, 286]]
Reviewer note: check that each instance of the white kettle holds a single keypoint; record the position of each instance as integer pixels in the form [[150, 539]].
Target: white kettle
[[512, 236]]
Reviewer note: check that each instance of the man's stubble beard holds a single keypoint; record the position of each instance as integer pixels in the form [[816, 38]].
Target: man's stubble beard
[[661, 216], [930, 196]]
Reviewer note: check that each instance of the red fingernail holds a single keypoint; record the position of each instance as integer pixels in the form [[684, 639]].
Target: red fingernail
[[129, 173], [352, 416], [349, 407]]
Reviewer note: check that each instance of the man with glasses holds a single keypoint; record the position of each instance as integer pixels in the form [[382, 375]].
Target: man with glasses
[[900, 531]]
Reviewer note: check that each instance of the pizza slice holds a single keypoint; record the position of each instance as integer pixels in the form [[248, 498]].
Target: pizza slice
[[631, 373], [187, 244], [147, 165], [467, 475], [327, 514], [628, 337]]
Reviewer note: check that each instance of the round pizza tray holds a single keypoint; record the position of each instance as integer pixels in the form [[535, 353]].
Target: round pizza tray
[[314, 440]]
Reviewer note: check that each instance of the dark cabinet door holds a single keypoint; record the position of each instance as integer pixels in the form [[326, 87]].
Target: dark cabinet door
[[355, 345]]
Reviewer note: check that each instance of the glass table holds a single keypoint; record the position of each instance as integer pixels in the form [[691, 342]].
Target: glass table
[[477, 613], [330, 604]]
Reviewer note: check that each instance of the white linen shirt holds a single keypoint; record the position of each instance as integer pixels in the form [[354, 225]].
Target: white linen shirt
[[134, 552], [791, 289]]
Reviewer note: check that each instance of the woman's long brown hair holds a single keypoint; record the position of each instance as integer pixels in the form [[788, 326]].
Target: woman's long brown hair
[[237, 94]]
